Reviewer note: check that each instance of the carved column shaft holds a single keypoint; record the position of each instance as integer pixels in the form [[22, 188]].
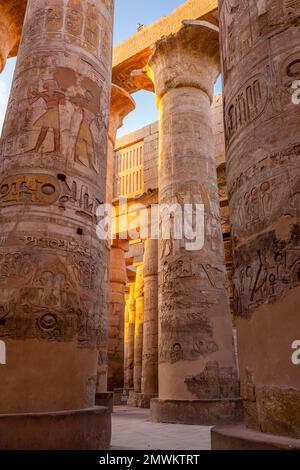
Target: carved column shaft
[[118, 280], [263, 176], [196, 359], [53, 177], [126, 336], [150, 336], [129, 357], [121, 104], [138, 336]]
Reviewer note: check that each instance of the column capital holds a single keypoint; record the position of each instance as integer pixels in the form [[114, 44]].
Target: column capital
[[11, 22], [121, 104], [189, 58]]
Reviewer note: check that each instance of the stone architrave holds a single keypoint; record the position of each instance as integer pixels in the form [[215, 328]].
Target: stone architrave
[[198, 380], [52, 179], [261, 64]]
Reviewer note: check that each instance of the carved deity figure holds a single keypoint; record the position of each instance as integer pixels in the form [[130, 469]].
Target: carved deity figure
[[53, 98], [85, 147]]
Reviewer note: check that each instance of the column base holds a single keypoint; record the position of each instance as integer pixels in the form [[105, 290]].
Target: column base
[[105, 399], [86, 429], [197, 412], [120, 396], [238, 437], [143, 400], [133, 398]]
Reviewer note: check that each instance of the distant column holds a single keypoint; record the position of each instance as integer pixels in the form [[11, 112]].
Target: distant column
[[118, 280], [150, 335], [121, 104], [129, 358], [139, 319], [126, 335]]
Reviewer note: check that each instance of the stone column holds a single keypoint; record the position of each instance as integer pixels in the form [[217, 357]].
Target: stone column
[[121, 104], [138, 335], [126, 334], [11, 23], [53, 177], [263, 177], [129, 358], [118, 280], [198, 380], [150, 336]]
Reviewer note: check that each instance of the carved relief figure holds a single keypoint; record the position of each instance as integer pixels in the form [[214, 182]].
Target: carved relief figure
[[85, 145], [53, 98], [214, 382]]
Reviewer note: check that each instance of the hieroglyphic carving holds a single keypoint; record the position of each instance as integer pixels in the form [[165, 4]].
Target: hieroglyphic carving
[[212, 277], [57, 244], [193, 337], [266, 274], [246, 106], [24, 189], [77, 20], [214, 382], [48, 297], [47, 190], [54, 18], [74, 17]]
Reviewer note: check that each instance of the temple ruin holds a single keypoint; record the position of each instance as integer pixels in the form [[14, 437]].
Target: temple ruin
[[199, 336]]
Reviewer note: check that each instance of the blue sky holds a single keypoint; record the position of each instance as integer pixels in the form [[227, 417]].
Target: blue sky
[[128, 13]]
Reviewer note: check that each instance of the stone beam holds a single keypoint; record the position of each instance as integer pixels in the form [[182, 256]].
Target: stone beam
[[134, 52]]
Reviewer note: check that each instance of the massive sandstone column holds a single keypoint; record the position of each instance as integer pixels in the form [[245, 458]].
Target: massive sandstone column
[[11, 23], [138, 335], [53, 177], [149, 386], [118, 280], [263, 172], [121, 104], [126, 334], [129, 348], [198, 380]]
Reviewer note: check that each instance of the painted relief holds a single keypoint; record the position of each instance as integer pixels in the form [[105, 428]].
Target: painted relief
[[50, 120], [265, 270], [214, 382]]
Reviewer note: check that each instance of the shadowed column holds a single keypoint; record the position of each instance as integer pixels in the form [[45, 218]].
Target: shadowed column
[[118, 280], [198, 381], [138, 336], [53, 177], [263, 176], [129, 357]]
